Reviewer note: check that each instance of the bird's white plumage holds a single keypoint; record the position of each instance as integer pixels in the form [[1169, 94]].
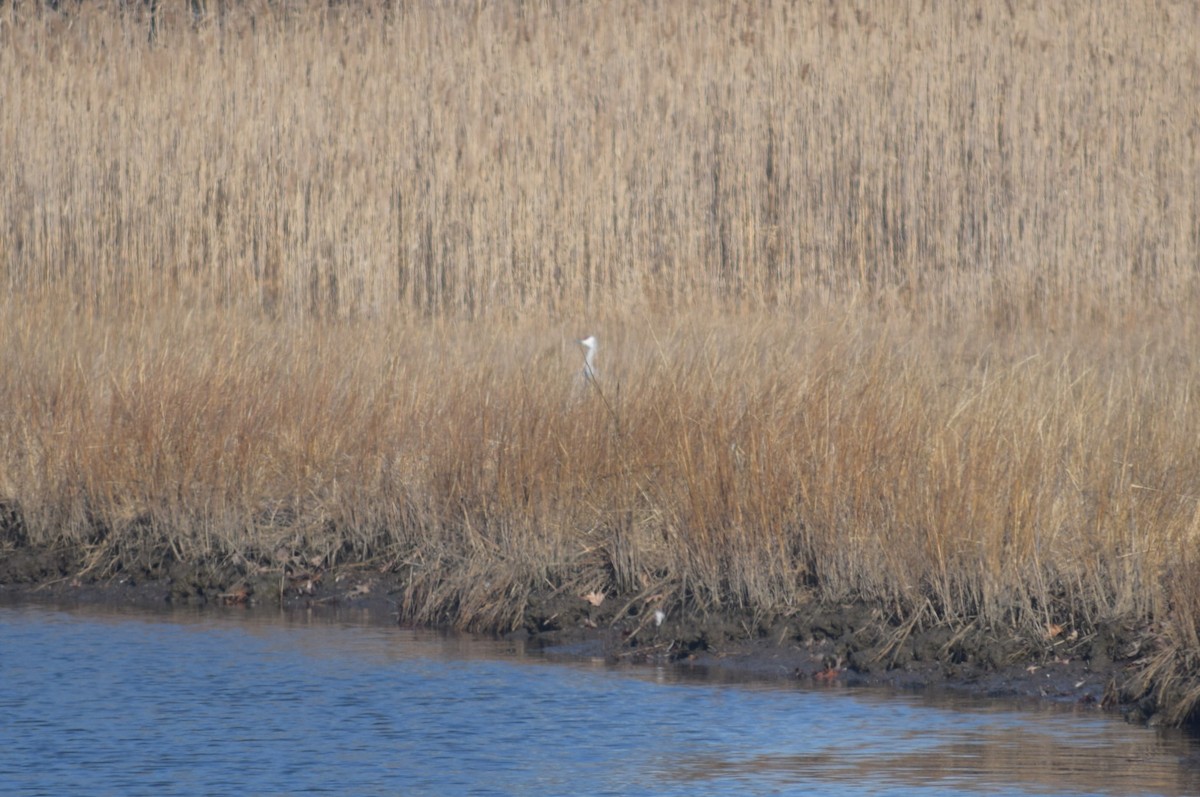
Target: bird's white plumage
[[589, 358]]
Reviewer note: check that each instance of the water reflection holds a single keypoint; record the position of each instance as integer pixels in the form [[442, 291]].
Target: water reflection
[[1018, 760], [343, 702]]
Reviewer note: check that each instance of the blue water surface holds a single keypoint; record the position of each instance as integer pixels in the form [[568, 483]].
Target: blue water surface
[[254, 703]]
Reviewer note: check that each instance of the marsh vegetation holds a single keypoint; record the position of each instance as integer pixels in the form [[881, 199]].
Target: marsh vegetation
[[896, 305]]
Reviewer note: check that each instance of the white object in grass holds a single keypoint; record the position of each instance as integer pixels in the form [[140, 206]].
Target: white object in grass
[[589, 358]]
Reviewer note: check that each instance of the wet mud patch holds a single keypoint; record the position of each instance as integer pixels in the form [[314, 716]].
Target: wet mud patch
[[854, 645], [60, 575]]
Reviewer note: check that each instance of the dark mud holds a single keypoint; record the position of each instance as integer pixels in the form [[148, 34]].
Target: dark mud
[[852, 645], [822, 644]]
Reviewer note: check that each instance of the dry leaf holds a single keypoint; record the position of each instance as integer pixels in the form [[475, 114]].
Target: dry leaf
[[1053, 630], [594, 598], [236, 596]]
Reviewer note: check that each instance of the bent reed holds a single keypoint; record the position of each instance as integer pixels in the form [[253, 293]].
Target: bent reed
[[895, 306]]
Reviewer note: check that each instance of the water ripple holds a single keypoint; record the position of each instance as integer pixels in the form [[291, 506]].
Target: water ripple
[[207, 704]]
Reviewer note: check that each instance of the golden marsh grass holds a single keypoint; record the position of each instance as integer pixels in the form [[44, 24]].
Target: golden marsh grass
[[893, 305]]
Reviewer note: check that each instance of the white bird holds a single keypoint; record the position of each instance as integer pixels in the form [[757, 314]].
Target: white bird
[[589, 358]]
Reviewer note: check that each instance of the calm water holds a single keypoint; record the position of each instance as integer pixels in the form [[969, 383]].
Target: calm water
[[255, 703]]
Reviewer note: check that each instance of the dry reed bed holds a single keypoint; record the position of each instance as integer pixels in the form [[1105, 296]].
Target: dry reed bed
[[895, 305], [1013, 482], [534, 158]]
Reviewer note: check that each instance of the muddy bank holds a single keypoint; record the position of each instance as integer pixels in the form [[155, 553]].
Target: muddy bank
[[852, 644], [822, 644]]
